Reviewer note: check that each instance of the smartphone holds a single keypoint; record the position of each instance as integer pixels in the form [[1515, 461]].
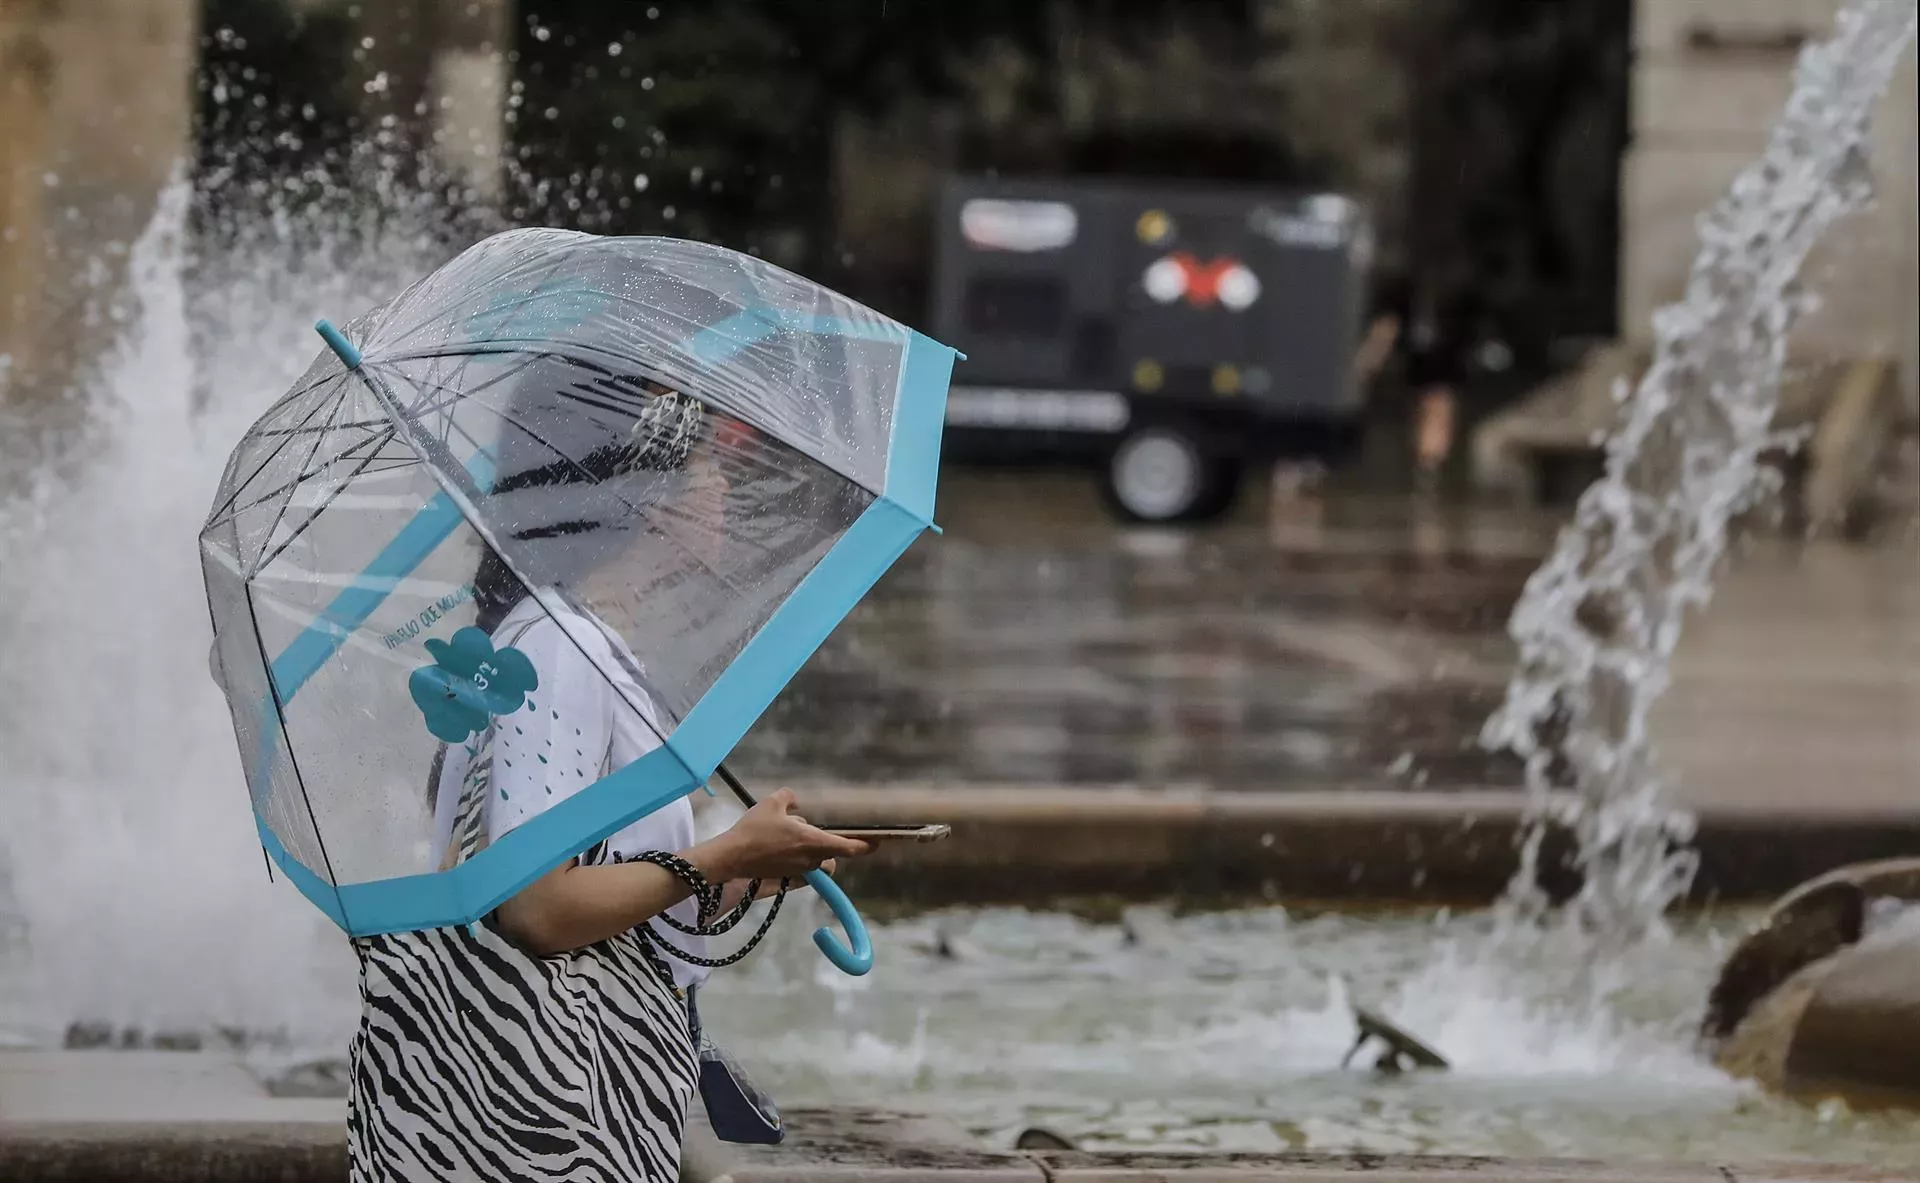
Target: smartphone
[[891, 833]]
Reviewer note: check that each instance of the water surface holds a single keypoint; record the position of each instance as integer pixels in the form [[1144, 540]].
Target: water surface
[[1226, 1032]]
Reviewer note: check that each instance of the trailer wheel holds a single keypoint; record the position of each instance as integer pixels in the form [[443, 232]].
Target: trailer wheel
[[1160, 474]]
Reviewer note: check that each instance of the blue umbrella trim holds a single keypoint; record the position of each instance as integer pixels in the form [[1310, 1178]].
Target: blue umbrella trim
[[704, 737]]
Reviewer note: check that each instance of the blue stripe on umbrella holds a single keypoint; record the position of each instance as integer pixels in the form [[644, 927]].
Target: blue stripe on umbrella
[[723, 339], [432, 525]]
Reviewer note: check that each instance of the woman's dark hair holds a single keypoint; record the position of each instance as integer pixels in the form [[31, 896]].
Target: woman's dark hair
[[659, 442], [495, 591]]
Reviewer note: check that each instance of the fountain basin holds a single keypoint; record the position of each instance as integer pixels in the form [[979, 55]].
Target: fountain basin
[[1223, 1032], [1155, 1041], [846, 1144], [1823, 998]]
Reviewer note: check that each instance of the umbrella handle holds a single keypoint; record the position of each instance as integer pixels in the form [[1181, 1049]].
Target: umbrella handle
[[856, 956]]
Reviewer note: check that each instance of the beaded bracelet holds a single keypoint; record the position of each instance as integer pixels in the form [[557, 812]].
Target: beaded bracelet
[[708, 896], [705, 894], [724, 924]]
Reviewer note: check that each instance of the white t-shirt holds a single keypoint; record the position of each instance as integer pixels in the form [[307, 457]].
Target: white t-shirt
[[588, 718]]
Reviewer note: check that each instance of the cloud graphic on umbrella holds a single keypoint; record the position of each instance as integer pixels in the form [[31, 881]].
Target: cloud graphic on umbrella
[[469, 683]]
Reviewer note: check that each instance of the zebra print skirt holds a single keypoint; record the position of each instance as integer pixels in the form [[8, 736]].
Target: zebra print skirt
[[475, 1062]]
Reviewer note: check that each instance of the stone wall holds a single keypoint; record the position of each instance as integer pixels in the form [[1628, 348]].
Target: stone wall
[[97, 101], [1710, 78], [95, 111]]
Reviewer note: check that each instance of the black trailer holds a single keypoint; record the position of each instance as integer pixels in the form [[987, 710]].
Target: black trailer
[[1175, 332]]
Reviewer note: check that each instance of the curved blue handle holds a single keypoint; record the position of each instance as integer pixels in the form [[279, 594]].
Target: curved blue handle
[[856, 956]]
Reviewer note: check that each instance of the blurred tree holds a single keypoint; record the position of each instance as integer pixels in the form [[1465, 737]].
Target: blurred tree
[[1494, 126], [715, 118], [271, 95], [1520, 121]]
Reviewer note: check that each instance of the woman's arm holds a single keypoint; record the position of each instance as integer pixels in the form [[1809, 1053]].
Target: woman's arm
[[572, 906]]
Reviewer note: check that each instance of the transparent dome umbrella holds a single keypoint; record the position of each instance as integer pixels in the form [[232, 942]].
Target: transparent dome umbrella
[[694, 462]]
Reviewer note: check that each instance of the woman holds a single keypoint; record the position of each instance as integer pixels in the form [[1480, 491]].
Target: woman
[[551, 1040]]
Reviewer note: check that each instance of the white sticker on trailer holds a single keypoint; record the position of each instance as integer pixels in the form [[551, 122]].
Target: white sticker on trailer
[[1037, 410]]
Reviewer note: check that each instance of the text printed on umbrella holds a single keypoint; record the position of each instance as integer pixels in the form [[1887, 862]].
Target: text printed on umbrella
[[469, 683], [428, 617]]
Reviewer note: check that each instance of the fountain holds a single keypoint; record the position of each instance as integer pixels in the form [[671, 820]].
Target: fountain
[[1598, 622], [128, 853], [127, 846]]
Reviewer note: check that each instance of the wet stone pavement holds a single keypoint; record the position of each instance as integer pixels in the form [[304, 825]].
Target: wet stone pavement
[[1352, 642]]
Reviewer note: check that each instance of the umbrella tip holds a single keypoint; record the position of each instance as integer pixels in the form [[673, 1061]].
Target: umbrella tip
[[337, 341]]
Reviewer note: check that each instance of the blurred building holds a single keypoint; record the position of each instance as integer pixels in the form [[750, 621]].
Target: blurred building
[[1484, 136], [1710, 77], [95, 111], [99, 101]]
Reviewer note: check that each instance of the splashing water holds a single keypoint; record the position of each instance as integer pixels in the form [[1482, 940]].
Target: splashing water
[[1598, 622], [127, 843]]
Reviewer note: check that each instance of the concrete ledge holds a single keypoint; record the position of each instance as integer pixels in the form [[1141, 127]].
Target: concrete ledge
[[1015, 845], [1849, 439], [197, 1152], [850, 1145], [1544, 448], [159, 1117], [1393, 1169], [838, 1145]]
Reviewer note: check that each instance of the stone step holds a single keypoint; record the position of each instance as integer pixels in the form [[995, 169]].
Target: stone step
[[227, 1139], [143, 1088], [1549, 444], [1017, 845]]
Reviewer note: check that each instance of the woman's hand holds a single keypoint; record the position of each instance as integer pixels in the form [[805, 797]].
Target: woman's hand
[[771, 841], [735, 892]]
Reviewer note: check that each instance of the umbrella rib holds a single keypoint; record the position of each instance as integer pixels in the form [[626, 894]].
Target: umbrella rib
[[323, 506], [293, 762], [319, 438], [545, 348], [277, 432], [458, 394], [427, 317], [437, 457], [451, 395], [213, 618], [586, 399], [598, 402], [296, 392], [566, 394], [684, 551], [269, 458], [537, 438], [379, 442], [629, 505]]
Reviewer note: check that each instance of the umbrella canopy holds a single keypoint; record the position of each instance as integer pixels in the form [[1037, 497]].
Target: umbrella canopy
[[706, 457]]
